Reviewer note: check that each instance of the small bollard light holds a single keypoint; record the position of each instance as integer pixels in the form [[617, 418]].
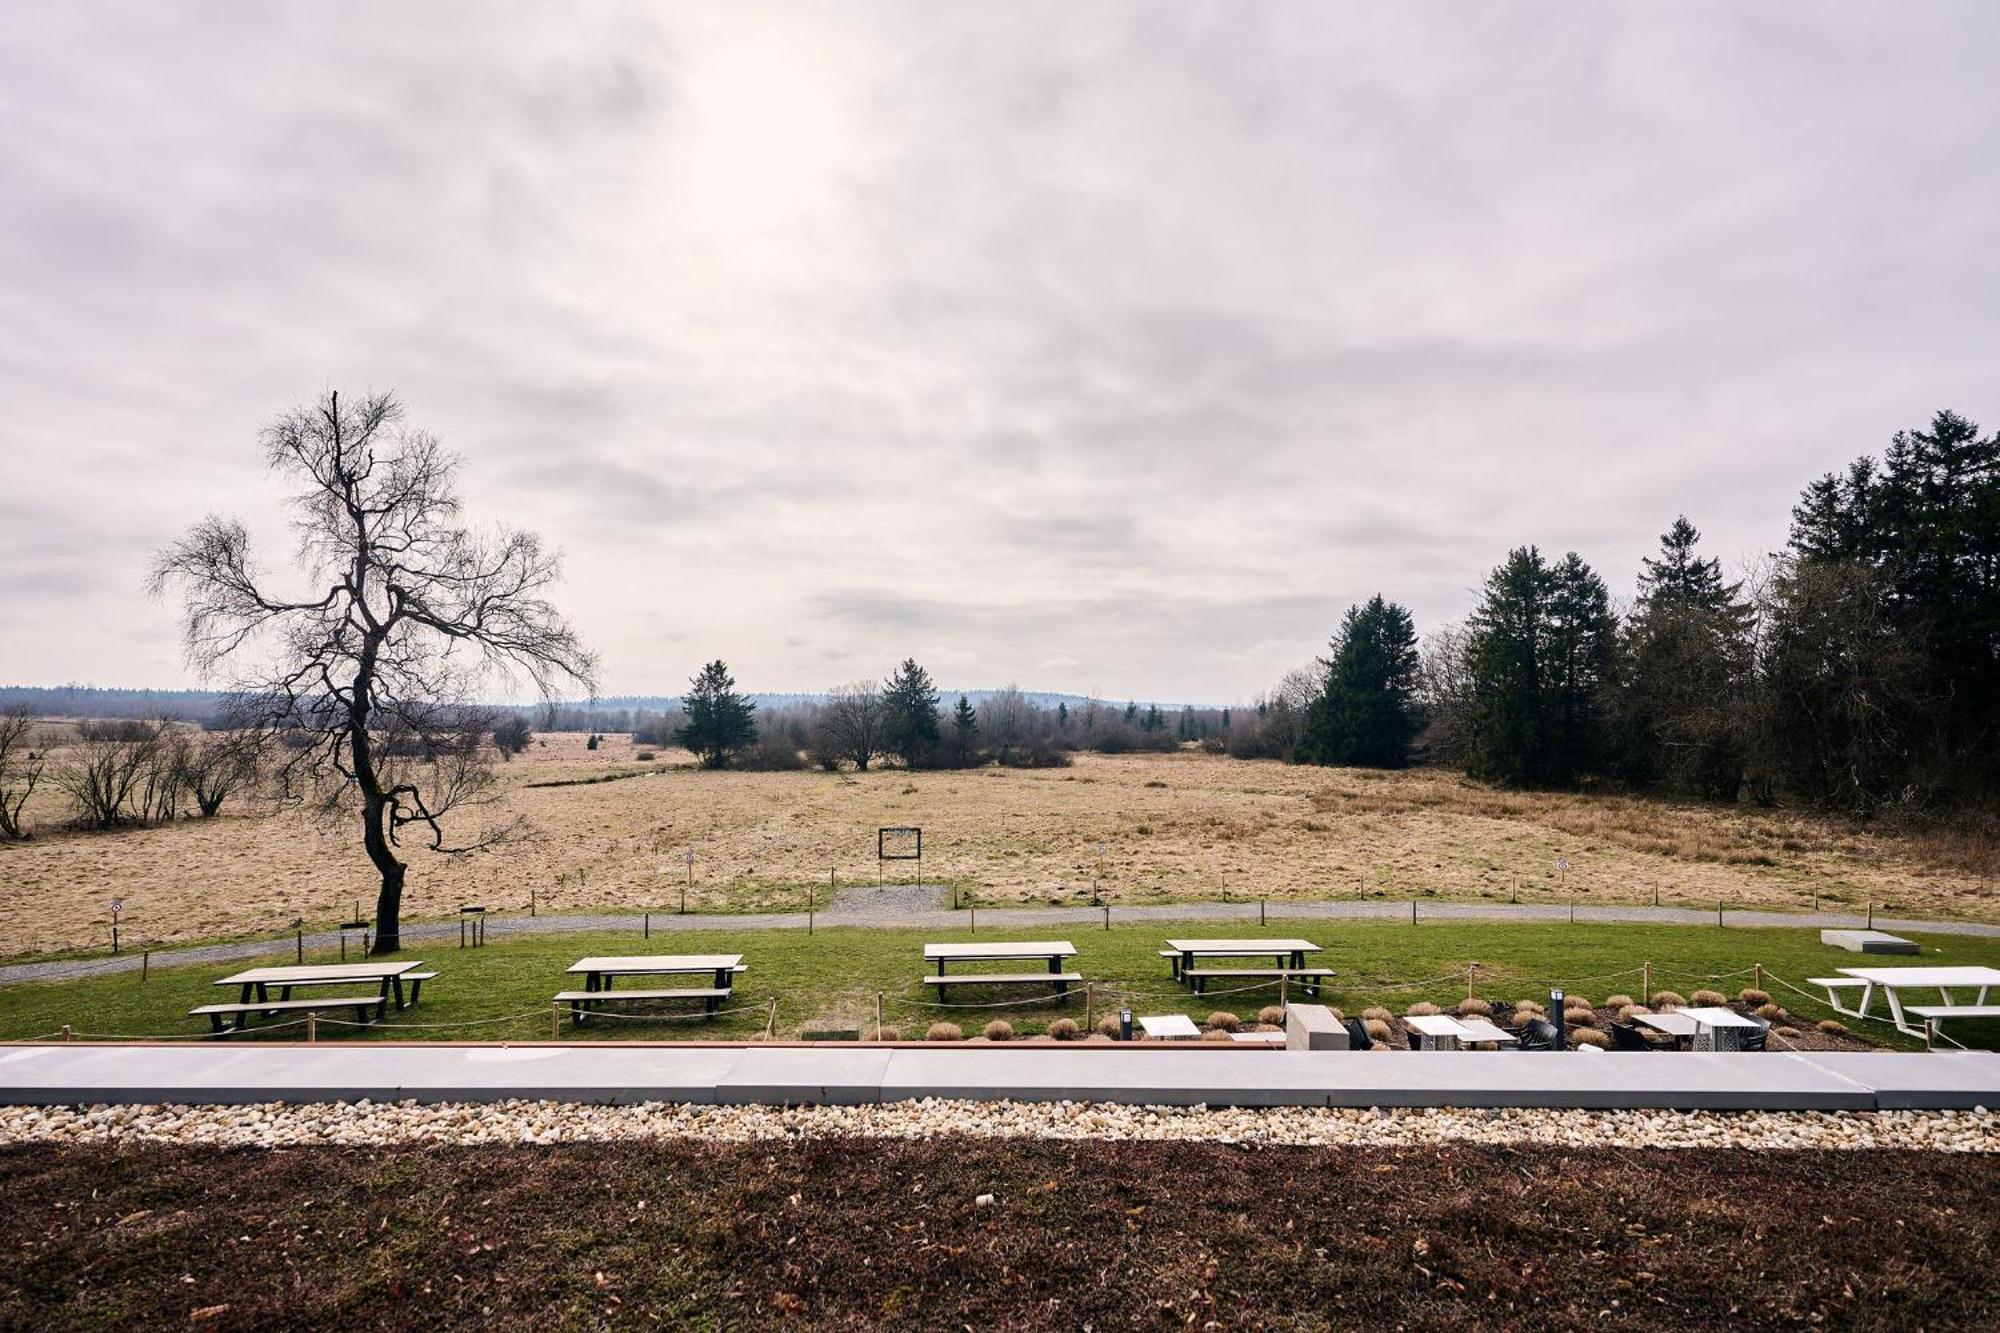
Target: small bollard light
[[1124, 1025], [1556, 1017]]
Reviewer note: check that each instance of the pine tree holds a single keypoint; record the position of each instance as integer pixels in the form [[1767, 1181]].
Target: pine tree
[[1132, 712], [964, 742], [1540, 656], [1153, 722], [720, 722], [1062, 715], [910, 705], [1366, 712]]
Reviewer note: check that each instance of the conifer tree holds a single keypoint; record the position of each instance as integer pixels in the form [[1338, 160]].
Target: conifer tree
[[1366, 712], [720, 722], [1540, 654], [910, 707]]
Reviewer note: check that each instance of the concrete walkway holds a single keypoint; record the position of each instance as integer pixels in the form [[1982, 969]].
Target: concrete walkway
[[86, 1074], [908, 906]]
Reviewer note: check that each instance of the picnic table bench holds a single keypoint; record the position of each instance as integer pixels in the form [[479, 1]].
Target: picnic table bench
[[599, 972], [255, 985], [1052, 952], [1442, 1032], [1892, 981], [1289, 958]]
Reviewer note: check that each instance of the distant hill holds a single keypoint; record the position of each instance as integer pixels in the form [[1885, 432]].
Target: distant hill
[[198, 705]]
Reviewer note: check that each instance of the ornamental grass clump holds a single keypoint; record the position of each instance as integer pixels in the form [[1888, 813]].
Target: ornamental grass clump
[[1108, 1027], [1065, 1029], [888, 1034], [1833, 1027], [1580, 1018], [1271, 1015], [999, 1030], [1590, 1037], [1753, 997], [1475, 1008], [1616, 1002], [1222, 1021], [1376, 1028], [1769, 1012], [1710, 999], [1666, 999], [943, 1032], [1421, 1009], [1375, 1013], [1216, 1034]]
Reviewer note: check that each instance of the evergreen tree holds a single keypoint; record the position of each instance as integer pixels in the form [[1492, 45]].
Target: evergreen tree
[[1062, 715], [1685, 691], [720, 722], [1132, 712], [963, 743], [1225, 719], [1366, 712], [1153, 722], [910, 706], [1540, 655]]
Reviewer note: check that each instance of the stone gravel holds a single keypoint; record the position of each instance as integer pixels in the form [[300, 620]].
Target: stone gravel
[[365, 1123]]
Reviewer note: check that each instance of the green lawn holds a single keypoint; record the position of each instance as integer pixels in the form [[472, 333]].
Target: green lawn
[[836, 973]]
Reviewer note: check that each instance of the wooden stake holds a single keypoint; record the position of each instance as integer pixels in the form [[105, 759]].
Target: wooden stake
[[1107, 916], [1646, 985], [973, 910], [878, 1015], [1718, 911], [1760, 976], [1413, 911], [1468, 979], [312, 1025], [555, 1021], [1260, 911], [1089, 1007], [648, 927], [145, 963], [1284, 990], [771, 1019]]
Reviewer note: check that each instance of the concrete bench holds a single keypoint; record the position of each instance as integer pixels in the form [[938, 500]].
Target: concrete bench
[[1310, 976], [1312, 1027], [1939, 1012], [1062, 981], [582, 1002], [1867, 941], [360, 1004]]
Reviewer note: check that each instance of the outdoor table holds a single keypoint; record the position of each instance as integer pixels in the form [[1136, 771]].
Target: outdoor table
[[388, 976], [1288, 953], [1170, 1027], [598, 973], [1052, 952], [1892, 981], [1441, 1032], [1719, 1029], [1675, 1024], [1480, 1029]]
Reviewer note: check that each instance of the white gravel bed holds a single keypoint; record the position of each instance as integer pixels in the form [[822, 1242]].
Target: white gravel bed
[[364, 1123]]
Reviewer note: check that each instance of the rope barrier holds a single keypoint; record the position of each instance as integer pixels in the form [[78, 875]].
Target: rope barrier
[[187, 1036], [988, 1004], [596, 1014], [468, 1023]]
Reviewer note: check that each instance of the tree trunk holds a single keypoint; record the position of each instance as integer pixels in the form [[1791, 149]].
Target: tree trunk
[[389, 900]]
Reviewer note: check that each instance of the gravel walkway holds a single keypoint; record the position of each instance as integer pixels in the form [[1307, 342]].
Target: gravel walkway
[[909, 906], [279, 1125]]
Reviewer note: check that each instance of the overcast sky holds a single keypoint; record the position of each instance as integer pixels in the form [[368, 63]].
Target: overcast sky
[[1102, 348]]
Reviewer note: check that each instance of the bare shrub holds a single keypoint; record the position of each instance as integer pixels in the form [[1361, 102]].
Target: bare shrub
[[117, 772], [943, 1032], [1065, 1029], [20, 769], [999, 1030]]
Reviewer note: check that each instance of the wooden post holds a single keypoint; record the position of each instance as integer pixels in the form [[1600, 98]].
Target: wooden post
[[145, 963], [1718, 911], [973, 910], [1871, 914], [1514, 893], [1089, 1007], [1656, 895], [1930, 1033], [1815, 902], [1760, 976], [312, 1025], [299, 937], [1284, 990], [461, 930], [1646, 984], [1468, 979], [555, 1020], [531, 899], [1107, 916], [343, 945], [647, 929], [1260, 911], [1572, 911], [771, 1019], [878, 1015], [1413, 911]]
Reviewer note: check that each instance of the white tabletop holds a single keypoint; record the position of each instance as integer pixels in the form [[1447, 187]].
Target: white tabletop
[[1925, 976], [661, 962], [1249, 948], [1170, 1025], [1002, 950], [1258, 1038], [1675, 1024], [278, 976], [1441, 1025], [1481, 1030], [1711, 1017]]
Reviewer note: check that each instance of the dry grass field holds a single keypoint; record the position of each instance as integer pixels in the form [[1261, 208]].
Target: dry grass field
[[1171, 828]]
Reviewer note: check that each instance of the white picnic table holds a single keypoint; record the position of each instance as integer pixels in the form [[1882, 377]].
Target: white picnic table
[[1719, 1029], [598, 973], [1054, 951], [1169, 1027], [1893, 981], [1442, 1032], [1675, 1023], [261, 980], [1289, 953]]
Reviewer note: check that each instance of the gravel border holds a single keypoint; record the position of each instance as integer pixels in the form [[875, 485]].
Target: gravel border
[[365, 1123]]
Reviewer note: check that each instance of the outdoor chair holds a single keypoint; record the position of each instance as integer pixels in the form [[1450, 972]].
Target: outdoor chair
[[1357, 1036], [1539, 1035], [1754, 1041], [1627, 1037]]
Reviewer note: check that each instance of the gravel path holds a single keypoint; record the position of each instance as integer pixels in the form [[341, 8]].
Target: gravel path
[[278, 1125], [921, 906]]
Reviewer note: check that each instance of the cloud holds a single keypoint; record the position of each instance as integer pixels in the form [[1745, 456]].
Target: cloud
[[1107, 348]]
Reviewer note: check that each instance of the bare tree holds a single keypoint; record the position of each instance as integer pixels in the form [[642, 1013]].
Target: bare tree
[[852, 725], [20, 769], [371, 677], [114, 773], [216, 765]]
